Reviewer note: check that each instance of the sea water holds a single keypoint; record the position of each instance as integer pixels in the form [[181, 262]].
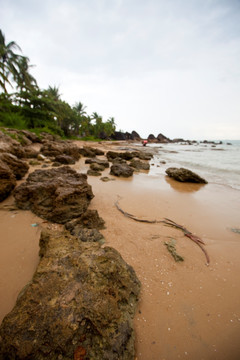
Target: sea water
[[218, 163]]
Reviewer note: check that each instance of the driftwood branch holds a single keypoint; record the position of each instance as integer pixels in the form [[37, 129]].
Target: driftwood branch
[[171, 223]]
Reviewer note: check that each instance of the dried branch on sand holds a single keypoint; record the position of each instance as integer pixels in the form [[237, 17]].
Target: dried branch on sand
[[169, 222]]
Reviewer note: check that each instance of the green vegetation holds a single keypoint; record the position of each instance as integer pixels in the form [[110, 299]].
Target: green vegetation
[[29, 107], [171, 246]]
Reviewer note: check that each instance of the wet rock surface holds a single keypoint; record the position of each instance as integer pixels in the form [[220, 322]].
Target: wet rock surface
[[90, 220], [185, 175], [59, 194], [123, 170], [79, 305], [104, 163], [139, 165], [65, 159]]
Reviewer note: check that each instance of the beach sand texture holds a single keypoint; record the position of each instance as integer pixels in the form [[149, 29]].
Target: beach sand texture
[[187, 310]]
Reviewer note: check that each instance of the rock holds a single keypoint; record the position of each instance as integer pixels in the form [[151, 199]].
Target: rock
[[34, 163], [127, 155], [58, 195], [184, 175], [105, 163], [41, 157], [163, 139], [91, 172], [65, 159], [55, 148], [9, 145], [81, 300], [151, 138], [106, 179], [88, 235], [30, 153], [7, 181], [121, 170], [139, 165], [118, 135], [56, 164], [97, 167], [17, 166], [90, 220], [87, 151], [119, 160], [31, 136], [144, 155], [135, 136]]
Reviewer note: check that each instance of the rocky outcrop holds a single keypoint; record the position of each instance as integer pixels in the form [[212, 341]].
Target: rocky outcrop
[[104, 163], [135, 136], [163, 139], [65, 159], [9, 145], [97, 167], [90, 220], [58, 194], [139, 165], [17, 166], [7, 181], [79, 305], [123, 170], [55, 148], [185, 175], [90, 152], [151, 138]]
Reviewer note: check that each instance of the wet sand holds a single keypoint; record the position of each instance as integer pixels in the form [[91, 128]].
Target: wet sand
[[187, 310]]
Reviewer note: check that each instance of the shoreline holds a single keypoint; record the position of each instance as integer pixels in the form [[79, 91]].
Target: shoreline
[[186, 310]]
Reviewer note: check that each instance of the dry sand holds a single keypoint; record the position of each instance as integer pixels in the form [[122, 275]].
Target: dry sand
[[187, 310]]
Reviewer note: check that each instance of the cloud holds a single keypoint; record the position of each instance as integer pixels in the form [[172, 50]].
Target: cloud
[[156, 66]]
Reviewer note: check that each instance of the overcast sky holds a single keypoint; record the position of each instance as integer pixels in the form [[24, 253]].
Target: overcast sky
[[156, 66]]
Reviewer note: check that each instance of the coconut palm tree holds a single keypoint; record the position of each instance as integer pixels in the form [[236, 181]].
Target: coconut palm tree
[[80, 108], [24, 80], [9, 61]]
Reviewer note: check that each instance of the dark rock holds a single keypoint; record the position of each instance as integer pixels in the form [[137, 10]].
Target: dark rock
[[139, 165], [127, 155], [185, 175], [7, 181], [135, 136], [144, 155], [163, 139], [118, 135], [121, 170], [90, 220], [53, 149], [91, 172], [17, 166], [56, 164], [9, 145], [151, 138], [88, 235], [59, 194], [119, 160], [31, 136], [65, 159], [106, 179], [81, 300], [97, 167], [87, 151], [104, 163]]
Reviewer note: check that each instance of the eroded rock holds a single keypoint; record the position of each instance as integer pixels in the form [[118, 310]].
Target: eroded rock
[[7, 181], [185, 175], [55, 148], [17, 166], [59, 194], [121, 170], [81, 300]]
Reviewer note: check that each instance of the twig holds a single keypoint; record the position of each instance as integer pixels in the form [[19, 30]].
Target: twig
[[171, 223]]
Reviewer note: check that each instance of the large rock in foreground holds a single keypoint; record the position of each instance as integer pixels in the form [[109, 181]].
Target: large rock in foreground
[[79, 305], [185, 175], [18, 167], [58, 195]]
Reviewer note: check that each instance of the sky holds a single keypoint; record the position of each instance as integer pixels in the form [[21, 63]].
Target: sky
[[156, 66]]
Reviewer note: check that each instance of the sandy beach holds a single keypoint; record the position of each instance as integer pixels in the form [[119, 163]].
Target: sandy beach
[[187, 310]]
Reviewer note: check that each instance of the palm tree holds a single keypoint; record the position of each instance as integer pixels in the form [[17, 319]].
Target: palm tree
[[8, 61], [80, 108], [53, 92], [24, 79]]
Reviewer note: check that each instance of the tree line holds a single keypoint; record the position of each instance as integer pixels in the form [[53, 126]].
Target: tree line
[[28, 106]]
